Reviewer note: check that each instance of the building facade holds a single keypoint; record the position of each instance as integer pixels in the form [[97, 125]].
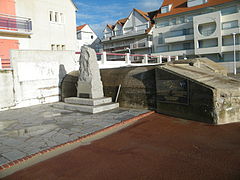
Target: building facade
[[87, 37], [36, 25], [198, 28], [130, 35]]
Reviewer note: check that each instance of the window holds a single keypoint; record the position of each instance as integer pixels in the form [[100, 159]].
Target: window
[[173, 21], [79, 35], [56, 17], [160, 38], [163, 48], [230, 24], [142, 27], [187, 46], [92, 37], [163, 23], [192, 3], [51, 16], [208, 43], [189, 18], [61, 18], [228, 57], [188, 31], [229, 10], [181, 20], [207, 29], [128, 30], [53, 47], [228, 40], [58, 47], [166, 9], [181, 32]]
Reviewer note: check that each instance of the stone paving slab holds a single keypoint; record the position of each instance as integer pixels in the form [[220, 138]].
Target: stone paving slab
[[29, 130]]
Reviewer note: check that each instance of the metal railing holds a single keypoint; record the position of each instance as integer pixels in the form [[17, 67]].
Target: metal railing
[[15, 23], [111, 60], [5, 64]]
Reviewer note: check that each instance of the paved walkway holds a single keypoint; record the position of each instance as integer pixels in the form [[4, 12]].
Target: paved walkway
[[26, 131], [156, 147]]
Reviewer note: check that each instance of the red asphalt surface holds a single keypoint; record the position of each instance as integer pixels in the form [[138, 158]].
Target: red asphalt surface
[[156, 147]]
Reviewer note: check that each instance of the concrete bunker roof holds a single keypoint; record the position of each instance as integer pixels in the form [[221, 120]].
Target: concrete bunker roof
[[204, 71]]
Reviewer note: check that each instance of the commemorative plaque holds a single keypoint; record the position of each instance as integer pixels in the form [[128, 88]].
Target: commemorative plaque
[[173, 91]]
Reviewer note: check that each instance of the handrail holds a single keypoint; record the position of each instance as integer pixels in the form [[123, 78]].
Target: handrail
[[13, 16]]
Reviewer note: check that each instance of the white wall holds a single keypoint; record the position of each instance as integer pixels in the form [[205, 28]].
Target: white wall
[[6, 89], [38, 74], [44, 32]]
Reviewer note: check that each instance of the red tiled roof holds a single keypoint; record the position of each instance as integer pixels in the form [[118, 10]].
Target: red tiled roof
[[144, 14], [180, 6], [110, 26], [121, 21], [80, 27]]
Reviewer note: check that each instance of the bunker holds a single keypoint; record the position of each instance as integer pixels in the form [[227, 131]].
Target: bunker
[[196, 89]]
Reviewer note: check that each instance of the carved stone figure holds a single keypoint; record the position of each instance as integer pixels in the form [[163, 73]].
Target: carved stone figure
[[89, 80]]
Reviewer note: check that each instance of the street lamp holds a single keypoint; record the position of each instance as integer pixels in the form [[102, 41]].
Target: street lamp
[[234, 54]]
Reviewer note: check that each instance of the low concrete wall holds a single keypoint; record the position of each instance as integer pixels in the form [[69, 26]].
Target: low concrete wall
[[6, 89], [38, 74], [138, 88]]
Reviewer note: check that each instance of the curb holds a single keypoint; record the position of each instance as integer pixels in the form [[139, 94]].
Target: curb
[[30, 160]]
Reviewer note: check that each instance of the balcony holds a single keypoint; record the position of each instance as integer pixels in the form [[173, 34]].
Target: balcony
[[14, 25], [126, 35], [141, 45], [179, 38]]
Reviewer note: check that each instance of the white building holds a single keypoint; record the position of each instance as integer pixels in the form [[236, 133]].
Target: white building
[[36, 25], [198, 28], [87, 37], [53, 24], [130, 35]]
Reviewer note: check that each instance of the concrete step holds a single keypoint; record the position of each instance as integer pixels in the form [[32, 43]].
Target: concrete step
[[89, 102], [86, 108]]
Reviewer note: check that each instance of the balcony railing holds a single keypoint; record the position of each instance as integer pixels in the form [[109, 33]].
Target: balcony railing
[[15, 23]]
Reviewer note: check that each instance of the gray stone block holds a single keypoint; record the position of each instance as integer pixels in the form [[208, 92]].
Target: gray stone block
[[86, 101], [88, 109]]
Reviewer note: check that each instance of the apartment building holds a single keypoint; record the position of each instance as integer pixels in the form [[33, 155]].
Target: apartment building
[[36, 25], [130, 35], [198, 28], [87, 37]]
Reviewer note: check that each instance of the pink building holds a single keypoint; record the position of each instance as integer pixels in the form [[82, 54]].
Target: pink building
[[11, 28]]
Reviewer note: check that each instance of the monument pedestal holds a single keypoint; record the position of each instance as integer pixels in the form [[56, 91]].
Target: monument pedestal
[[93, 106], [90, 97]]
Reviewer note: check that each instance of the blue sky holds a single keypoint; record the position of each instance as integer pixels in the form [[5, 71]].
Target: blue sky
[[98, 13]]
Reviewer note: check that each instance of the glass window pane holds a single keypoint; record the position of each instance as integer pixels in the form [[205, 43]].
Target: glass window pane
[[229, 25], [229, 10]]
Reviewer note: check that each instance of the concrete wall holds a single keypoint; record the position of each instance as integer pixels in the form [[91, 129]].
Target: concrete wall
[[138, 88], [197, 104], [38, 74], [6, 89]]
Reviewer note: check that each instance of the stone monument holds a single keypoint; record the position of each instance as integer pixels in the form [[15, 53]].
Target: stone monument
[[90, 96], [89, 80]]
